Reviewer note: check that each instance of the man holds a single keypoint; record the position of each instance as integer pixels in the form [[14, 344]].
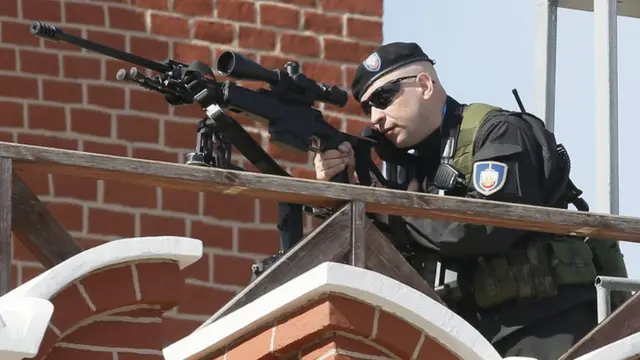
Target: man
[[529, 294]]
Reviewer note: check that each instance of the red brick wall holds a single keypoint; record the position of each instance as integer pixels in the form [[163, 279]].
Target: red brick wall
[[59, 96]]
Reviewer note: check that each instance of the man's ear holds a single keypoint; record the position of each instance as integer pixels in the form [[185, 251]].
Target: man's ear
[[426, 84]]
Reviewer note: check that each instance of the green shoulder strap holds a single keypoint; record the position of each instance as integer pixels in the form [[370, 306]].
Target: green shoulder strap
[[472, 117]]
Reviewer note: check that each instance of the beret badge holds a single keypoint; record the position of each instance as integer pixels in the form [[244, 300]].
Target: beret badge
[[372, 62]]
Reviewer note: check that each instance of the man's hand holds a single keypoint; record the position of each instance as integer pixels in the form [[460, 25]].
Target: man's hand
[[331, 162]]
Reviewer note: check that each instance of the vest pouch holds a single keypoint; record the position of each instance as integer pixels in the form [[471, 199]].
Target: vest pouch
[[493, 282], [532, 272], [571, 262], [609, 261]]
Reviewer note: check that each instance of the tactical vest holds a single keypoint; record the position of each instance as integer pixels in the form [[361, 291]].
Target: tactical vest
[[536, 266]]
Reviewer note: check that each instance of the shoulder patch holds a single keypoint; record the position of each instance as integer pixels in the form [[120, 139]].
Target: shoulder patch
[[489, 176]]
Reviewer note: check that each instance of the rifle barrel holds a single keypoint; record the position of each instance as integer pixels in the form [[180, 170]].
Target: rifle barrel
[[51, 32]]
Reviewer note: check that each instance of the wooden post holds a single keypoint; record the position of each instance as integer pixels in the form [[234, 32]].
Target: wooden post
[[358, 238], [5, 225]]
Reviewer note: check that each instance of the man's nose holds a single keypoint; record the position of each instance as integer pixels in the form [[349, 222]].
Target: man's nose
[[377, 117]]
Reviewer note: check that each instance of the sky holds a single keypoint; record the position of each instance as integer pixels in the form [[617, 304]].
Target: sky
[[483, 49]]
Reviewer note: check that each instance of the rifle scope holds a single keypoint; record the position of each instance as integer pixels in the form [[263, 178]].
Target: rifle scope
[[238, 66]]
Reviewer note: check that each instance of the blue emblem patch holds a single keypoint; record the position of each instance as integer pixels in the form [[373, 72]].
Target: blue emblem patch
[[489, 176]]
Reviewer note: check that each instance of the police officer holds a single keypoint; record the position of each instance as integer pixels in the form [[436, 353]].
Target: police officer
[[528, 293]]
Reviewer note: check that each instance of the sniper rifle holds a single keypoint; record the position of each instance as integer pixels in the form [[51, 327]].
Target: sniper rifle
[[286, 107]]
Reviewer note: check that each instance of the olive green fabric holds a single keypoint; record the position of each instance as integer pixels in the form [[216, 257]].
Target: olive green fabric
[[535, 267]]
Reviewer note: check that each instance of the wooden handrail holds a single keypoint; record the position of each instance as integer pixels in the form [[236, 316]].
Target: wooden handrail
[[319, 193]]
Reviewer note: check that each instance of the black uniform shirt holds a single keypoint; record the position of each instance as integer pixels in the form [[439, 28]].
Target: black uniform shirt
[[507, 141]]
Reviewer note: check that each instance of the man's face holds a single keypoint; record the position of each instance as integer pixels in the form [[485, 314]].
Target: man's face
[[396, 105]]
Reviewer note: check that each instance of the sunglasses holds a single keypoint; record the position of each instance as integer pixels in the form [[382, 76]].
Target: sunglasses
[[383, 96]]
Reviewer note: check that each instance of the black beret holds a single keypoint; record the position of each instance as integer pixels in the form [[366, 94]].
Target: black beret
[[386, 58]]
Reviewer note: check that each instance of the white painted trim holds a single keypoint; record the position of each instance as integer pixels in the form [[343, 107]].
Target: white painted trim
[[25, 311], [368, 286], [622, 349]]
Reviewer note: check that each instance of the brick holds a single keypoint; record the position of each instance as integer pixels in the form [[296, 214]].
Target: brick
[[108, 222], [132, 335], [347, 51], [65, 353], [138, 356], [48, 141], [37, 181], [82, 13], [330, 314], [45, 117], [175, 329], [180, 201], [62, 91], [18, 87], [363, 29], [194, 7], [41, 10], [138, 128], [106, 96], [111, 289], [256, 347], [91, 122], [149, 48], [362, 7], [81, 67], [148, 101], [214, 32], [256, 38], [74, 187], [258, 241], [166, 293], [169, 25], [153, 154], [12, 114], [151, 4], [154, 225], [200, 270], [126, 18], [300, 2], [396, 334], [237, 10], [304, 45], [104, 148], [188, 52], [182, 135], [8, 59], [212, 236], [9, 8], [71, 308], [215, 206], [273, 14], [343, 344], [201, 300], [17, 34], [231, 270], [322, 23], [323, 72], [127, 194], [117, 41]]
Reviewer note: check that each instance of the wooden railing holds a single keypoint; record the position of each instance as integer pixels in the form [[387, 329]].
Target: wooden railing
[[348, 236]]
